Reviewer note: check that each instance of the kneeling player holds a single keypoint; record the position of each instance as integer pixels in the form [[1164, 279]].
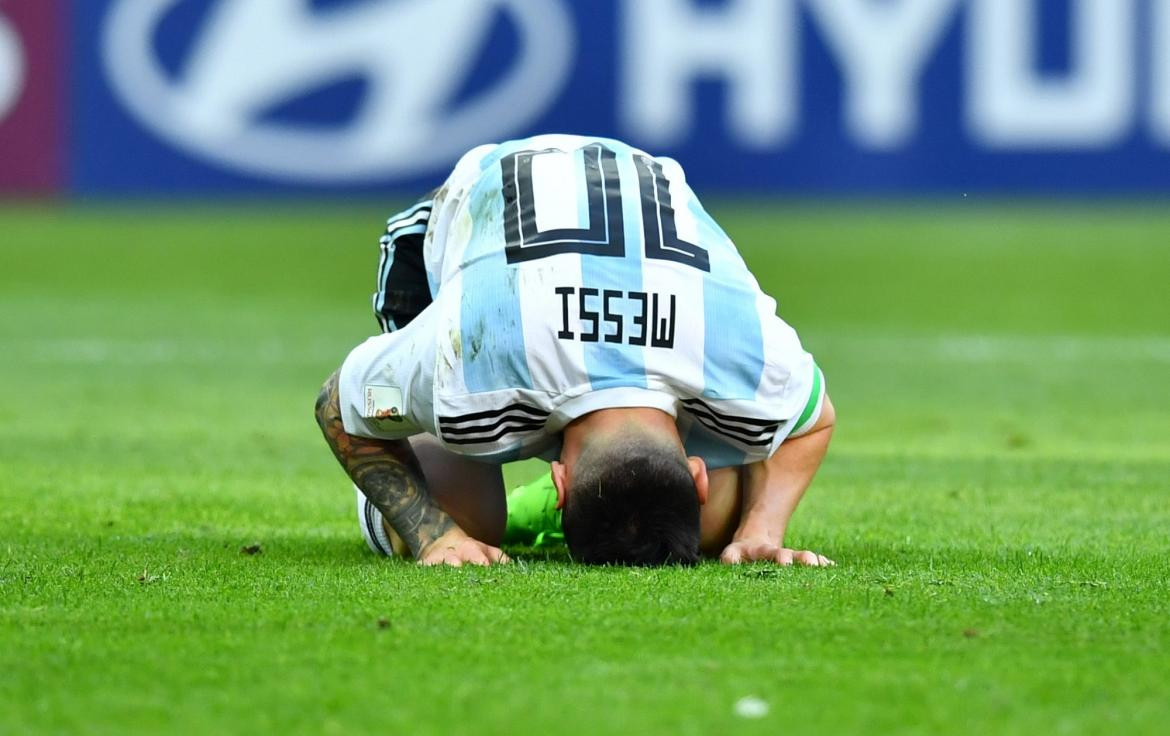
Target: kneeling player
[[568, 298]]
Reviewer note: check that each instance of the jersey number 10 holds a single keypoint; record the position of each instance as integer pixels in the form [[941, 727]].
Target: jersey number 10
[[605, 235]]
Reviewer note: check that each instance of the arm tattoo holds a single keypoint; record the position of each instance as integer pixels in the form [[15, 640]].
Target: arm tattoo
[[387, 472]]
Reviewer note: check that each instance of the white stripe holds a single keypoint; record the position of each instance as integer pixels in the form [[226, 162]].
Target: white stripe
[[784, 357], [370, 522], [514, 424], [407, 230], [449, 351], [411, 209], [555, 183], [553, 363], [496, 435], [447, 422], [682, 367], [377, 315], [386, 323], [383, 244], [401, 220], [762, 439], [728, 424], [384, 273], [684, 364]]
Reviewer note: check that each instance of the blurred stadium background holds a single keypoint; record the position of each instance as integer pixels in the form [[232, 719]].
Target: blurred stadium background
[[798, 97], [961, 204]]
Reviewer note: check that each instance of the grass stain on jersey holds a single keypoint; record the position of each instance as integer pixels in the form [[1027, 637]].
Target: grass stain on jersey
[[456, 342]]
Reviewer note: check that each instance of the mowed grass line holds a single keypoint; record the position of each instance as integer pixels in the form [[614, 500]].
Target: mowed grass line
[[997, 495]]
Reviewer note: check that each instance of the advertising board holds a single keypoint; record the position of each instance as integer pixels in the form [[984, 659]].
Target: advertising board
[[31, 96], [812, 97]]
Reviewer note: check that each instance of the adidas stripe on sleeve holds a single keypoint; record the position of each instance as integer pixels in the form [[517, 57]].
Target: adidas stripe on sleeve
[[403, 288]]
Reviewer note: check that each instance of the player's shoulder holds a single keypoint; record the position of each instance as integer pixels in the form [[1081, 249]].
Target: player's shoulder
[[486, 155], [565, 142], [469, 166], [472, 165], [476, 163]]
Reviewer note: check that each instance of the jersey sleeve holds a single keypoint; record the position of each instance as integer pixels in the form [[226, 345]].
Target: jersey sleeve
[[811, 411], [792, 383], [386, 387]]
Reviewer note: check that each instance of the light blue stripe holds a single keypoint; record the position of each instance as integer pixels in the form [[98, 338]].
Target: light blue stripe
[[490, 322], [418, 229], [406, 213], [432, 279], [733, 344], [733, 347]]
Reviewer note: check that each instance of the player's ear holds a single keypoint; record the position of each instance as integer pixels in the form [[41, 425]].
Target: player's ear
[[560, 476], [699, 473]]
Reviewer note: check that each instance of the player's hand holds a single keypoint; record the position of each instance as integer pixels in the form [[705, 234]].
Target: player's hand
[[748, 550], [456, 549]]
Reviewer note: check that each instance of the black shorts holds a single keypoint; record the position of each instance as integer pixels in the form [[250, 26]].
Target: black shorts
[[403, 289]]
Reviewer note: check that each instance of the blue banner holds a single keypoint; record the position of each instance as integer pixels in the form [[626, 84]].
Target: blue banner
[[785, 96]]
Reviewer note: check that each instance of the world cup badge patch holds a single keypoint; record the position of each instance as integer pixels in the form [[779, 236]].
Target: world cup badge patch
[[384, 406]]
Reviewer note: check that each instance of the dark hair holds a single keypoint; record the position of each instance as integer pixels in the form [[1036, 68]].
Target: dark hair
[[632, 503]]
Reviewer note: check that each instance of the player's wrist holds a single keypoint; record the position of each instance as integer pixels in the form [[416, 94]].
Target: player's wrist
[[760, 531], [449, 539]]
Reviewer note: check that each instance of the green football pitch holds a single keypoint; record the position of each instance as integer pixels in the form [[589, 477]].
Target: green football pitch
[[997, 496]]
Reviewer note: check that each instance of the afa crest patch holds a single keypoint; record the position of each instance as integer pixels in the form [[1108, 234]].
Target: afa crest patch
[[385, 406]]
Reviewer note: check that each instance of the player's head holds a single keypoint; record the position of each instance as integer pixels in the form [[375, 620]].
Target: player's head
[[631, 498]]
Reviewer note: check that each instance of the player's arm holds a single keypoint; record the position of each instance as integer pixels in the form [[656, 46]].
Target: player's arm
[[388, 472], [771, 490]]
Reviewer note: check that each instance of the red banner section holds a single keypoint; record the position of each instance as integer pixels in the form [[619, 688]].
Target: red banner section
[[32, 66]]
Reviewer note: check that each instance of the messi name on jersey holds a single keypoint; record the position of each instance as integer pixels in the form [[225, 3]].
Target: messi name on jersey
[[615, 316]]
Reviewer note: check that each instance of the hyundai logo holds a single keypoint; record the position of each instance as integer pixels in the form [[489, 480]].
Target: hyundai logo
[[11, 67], [251, 55]]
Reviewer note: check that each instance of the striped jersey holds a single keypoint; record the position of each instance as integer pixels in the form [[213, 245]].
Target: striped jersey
[[571, 274]]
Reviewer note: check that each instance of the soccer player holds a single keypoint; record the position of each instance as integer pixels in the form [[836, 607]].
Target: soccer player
[[568, 298]]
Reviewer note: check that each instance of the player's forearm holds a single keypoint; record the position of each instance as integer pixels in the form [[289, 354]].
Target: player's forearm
[[773, 488], [387, 472]]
